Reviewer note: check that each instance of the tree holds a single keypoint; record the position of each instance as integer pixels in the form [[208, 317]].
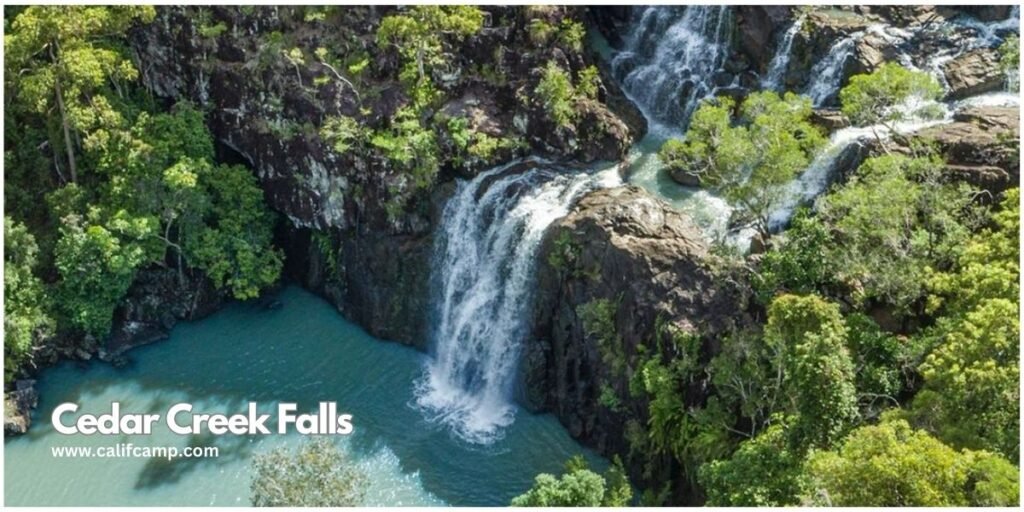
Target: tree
[[234, 246], [892, 465], [578, 487], [890, 94], [318, 474], [892, 220], [1009, 60], [799, 261], [422, 34], [818, 371], [751, 159], [26, 318], [763, 472], [97, 261], [67, 58], [556, 93]]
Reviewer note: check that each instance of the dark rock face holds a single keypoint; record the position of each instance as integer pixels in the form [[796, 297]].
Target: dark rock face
[[758, 28], [975, 72], [624, 246], [268, 110], [18, 405]]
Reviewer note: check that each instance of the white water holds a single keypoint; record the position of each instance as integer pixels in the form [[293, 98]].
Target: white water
[[827, 74], [669, 60], [483, 266], [780, 61]]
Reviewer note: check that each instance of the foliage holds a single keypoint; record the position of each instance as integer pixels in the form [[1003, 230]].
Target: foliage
[[97, 262], [763, 472], [556, 94], [342, 133], [578, 487], [891, 221], [751, 160], [889, 94], [422, 35], [819, 375], [317, 474], [799, 260], [234, 248], [26, 312], [1009, 60], [892, 465], [410, 146]]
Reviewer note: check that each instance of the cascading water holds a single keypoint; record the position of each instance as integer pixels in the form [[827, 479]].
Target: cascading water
[[670, 60], [483, 265], [780, 61], [827, 74]]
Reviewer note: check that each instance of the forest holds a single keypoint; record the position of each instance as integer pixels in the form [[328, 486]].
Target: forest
[[873, 357]]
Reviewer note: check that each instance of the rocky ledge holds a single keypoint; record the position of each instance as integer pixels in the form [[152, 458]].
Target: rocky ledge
[[649, 266]]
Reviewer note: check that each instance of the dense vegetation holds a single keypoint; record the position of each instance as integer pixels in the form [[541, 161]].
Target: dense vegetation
[[102, 183], [886, 370], [317, 474]]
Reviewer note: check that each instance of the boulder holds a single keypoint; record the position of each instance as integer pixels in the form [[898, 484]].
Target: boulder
[[830, 119], [18, 405], [973, 73]]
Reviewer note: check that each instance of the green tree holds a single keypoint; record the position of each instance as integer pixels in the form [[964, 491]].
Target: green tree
[[799, 260], [891, 221], [763, 472], [422, 35], [317, 474], [1009, 60], [578, 487], [68, 60], [887, 96], [892, 465], [97, 262], [751, 159], [234, 246], [819, 376], [557, 94], [26, 318]]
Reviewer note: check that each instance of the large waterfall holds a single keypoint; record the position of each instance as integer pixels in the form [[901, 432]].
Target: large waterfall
[[671, 59], [484, 260]]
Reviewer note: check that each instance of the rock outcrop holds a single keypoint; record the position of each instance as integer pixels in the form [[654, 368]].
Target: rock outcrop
[[267, 107], [18, 405], [975, 72], [648, 264], [981, 146]]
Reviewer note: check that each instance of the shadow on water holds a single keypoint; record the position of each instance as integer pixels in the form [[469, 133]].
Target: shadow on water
[[303, 353]]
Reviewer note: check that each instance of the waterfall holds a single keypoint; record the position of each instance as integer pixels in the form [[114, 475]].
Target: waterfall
[[827, 74], [670, 60], [780, 61], [482, 272]]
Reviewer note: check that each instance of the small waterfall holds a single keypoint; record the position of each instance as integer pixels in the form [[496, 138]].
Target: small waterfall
[[780, 61], [827, 74], [483, 268], [671, 59]]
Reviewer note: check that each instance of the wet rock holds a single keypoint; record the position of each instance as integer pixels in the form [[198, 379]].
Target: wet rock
[[973, 73], [758, 28], [18, 405], [980, 146]]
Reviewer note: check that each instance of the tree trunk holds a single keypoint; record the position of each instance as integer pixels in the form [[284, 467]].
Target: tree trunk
[[72, 168]]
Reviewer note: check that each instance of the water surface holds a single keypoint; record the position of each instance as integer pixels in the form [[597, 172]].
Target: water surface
[[304, 352]]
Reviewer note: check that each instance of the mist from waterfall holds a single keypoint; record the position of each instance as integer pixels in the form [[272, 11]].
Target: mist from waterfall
[[482, 272], [670, 60]]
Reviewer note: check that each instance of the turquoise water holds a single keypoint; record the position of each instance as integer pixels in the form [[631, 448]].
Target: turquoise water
[[304, 352]]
